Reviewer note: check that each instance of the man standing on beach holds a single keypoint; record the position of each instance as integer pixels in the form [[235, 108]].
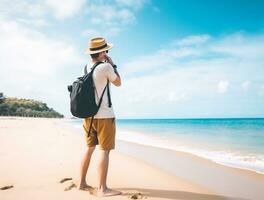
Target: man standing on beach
[[103, 126]]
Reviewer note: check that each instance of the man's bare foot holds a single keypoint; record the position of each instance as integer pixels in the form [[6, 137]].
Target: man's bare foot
[[107, 192]]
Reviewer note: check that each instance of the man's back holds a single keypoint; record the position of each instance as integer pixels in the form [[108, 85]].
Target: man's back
[[102, 73]]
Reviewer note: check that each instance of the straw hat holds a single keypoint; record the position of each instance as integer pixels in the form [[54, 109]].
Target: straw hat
[[97, 45]]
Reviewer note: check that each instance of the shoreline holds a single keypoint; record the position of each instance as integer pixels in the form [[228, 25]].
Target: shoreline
[[247, 170], [196, 155], [221, 179], [201, 154]]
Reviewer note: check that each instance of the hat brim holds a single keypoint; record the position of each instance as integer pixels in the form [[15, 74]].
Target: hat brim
[[109, 46]]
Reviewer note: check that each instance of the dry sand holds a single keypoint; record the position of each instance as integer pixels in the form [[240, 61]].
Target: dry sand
[[36, 154]]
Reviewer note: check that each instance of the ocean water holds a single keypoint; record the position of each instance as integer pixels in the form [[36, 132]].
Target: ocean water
[[233, 142]]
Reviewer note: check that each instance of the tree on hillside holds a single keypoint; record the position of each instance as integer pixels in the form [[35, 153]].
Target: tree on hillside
[[26, 108], [1, 97]]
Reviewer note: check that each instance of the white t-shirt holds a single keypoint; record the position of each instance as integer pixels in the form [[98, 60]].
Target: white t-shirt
[[101, 74]]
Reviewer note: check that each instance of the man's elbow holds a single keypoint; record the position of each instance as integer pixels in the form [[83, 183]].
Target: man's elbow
[[117, 82]]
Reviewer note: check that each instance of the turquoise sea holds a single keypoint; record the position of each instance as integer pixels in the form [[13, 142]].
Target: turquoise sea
[[233, 142]]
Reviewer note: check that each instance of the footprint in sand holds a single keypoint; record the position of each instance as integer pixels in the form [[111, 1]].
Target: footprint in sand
[[6, 187], [72, 185], [138, 196], [65, 179]]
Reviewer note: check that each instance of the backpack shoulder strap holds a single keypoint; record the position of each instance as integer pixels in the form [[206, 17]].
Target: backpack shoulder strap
[[108, 95], [95, 65], [93, 68], [85, 69]]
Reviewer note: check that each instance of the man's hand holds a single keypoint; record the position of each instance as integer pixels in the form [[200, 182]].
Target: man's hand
[[109, 60], [116, 82]]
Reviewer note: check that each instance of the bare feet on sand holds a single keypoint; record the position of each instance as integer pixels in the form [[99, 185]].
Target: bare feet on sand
[[107, 192]]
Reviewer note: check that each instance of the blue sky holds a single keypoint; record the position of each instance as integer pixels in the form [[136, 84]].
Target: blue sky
[[178, 59]]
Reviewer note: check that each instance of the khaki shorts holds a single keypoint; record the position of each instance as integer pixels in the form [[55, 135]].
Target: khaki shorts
[[102, 133]]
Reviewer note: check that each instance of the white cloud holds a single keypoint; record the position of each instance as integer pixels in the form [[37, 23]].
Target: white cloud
[[31, 49], [166, 92], [66, 8], [178, 79], [110, 15], [240, 46], [39, 66], [222, 86], [213, 51], [173, 97], [16, 8], [30, 13], [107, 17], [39, 10], [245, 85], [192, 40], [135, 4], [158, 60], [33, 22]]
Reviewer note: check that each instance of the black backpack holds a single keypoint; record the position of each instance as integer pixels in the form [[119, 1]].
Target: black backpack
[[82, 95]]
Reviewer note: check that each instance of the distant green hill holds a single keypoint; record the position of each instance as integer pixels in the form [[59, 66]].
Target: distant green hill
[[26, 108]]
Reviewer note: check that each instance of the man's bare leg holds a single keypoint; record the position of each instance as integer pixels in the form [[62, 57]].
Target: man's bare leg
[[103, 190], [84, 167]]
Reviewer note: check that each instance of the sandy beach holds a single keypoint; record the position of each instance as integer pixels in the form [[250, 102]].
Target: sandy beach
[[36, 154]]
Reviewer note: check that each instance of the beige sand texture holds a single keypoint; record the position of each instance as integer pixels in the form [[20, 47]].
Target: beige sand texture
[[36, 154]]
